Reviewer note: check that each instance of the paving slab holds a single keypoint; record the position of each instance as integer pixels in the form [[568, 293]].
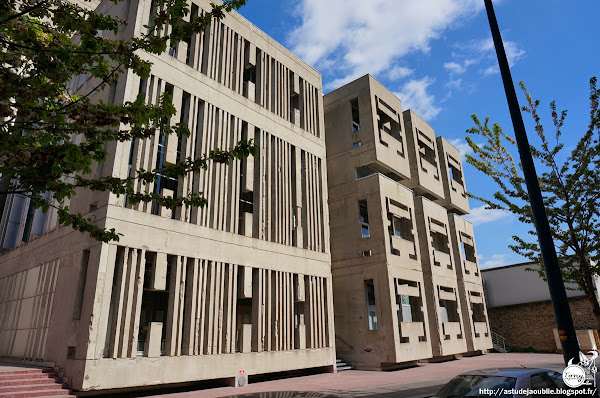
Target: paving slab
[[420, 381]]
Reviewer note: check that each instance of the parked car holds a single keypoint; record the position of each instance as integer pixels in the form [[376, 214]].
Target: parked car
[[500, 382]]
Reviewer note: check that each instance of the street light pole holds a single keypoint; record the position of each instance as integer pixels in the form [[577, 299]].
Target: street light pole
[[558, 294]]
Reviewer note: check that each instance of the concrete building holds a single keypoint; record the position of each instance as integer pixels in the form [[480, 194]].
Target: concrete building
[[242, 284], [521, 312], [406, 282]]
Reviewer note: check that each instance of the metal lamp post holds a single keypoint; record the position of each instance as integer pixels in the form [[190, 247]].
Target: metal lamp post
[[558, 294]]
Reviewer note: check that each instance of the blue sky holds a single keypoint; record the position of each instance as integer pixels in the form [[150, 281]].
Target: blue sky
[[438, 58]]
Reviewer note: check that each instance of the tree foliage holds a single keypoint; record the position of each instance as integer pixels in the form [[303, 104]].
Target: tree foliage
[[569, 179], [51, 139]]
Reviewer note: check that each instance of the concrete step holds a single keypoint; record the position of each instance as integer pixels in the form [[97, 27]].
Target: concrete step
[[6, 376], [342, 365], [30, 387], [23, 382], [29, 381], [37, 394], [25, 370]]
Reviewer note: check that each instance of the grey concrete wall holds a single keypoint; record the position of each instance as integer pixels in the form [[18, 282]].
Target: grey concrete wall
[[513, 284]]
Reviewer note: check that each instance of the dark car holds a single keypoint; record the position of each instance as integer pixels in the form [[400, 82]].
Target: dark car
[[500, 382]]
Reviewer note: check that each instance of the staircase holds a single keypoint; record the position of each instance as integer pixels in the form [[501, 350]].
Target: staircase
[[498, 342], [342, 365], [29, 382]]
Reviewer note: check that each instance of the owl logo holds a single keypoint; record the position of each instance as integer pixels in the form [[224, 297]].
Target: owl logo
[[582, 373], [589, 366]]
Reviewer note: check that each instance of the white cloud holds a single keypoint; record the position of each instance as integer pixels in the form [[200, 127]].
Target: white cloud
[[481, 215], [398, 72], [490, 70], [353, 37], [462, 146], [495, 260], [482, 51], [454, 67], [513, 54], [414, 96], [459, 68]]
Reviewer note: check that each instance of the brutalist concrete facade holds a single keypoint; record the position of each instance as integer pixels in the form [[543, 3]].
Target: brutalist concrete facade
[[242, 284], [405, 276]]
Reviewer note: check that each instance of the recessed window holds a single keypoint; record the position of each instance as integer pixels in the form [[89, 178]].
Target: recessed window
[[390, 127], [363, 218], [355, 115], [448, 308], [403, 228], [365, 171], [173, 48], [455, 174], [478, 312], [468, 252], [371, 310], [440, 242]]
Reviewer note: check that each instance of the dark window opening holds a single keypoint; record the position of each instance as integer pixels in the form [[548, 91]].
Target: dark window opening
[[440, 242], [371, 310], [355, 115], [468, 252], [402, 228], [155, 304], [112, 93], [173, 48], [455, 174], [390, 126], [188, 54], [246, 199], [478, 312], [243, 317], [410, 308], [163, 181], [448, 308], [247, 202], [248, 77], [426, 149], [363, 217], [365, 171], [28, 222]]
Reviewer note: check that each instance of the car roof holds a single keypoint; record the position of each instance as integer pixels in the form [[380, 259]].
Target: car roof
[[507, 372]]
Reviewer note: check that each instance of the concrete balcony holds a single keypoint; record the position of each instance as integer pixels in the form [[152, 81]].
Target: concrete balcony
[[471, 268], [412, 330], [442, 259], [463, 248], [406, 248], [423, 157], [481, 329], [430, 169], [451, 329], [455, 191]]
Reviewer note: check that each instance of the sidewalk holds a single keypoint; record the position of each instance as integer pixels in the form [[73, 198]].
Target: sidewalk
[[357, 383]]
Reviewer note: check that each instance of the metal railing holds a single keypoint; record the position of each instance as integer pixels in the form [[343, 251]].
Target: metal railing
[[498, 342]]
